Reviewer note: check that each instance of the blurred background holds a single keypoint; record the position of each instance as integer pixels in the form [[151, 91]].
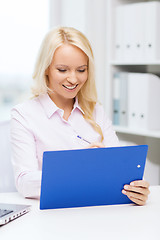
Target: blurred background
[[24, 24]]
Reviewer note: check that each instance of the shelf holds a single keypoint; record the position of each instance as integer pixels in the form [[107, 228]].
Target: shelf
[[139, 132], [121, 63]]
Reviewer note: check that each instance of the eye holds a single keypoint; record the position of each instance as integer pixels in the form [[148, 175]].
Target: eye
[[81, 70], [61, 70]]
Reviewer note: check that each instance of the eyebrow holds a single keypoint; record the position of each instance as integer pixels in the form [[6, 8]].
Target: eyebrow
[[62, 65], [85, 65]]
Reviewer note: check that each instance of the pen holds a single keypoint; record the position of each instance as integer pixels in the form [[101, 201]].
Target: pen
[[83, 139]]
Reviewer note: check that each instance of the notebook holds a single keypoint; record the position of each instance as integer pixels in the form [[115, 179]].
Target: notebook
[[90, 177], [9, 212]]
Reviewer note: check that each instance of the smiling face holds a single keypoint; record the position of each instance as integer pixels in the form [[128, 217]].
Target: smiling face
[[67, 73]]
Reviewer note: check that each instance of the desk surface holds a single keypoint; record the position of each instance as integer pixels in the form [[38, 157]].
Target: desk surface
[[89, 223]]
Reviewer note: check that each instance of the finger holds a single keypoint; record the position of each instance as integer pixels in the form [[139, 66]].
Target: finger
[[96, 145], [140, 183], [140, 190], [92, 146], [137, 201], [136, 197]]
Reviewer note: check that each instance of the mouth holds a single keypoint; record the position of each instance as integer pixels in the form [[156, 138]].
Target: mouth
[[70, 87]]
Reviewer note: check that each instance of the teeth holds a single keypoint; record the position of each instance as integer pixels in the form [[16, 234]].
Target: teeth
[[70, 88]]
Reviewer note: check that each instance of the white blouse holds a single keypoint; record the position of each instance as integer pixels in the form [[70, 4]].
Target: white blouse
[[37, 125]]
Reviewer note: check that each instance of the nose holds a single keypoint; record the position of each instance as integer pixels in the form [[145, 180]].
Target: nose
[[72, 78]]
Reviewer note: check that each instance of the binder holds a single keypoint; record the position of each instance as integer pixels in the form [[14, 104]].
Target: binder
[[116, 99], [119, 32], [138, 31], [123, 99], [129, 32], [133, 94], [143, 101], [120, 95], [90, 177], [152, 31], [137, 34], [150, 103]]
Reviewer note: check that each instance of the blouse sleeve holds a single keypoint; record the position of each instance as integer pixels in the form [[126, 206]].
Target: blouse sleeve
[[25, 163]]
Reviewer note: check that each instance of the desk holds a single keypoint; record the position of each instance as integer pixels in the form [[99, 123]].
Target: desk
[[118, 222]]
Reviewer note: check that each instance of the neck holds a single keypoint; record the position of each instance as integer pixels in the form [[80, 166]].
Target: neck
[[63, 103]]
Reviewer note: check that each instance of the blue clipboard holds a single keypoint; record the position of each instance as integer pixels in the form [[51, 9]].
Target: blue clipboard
[[90, 177]]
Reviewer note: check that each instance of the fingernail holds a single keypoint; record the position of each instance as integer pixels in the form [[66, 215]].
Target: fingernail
[[132, 183], [123, 191], [126, 187]]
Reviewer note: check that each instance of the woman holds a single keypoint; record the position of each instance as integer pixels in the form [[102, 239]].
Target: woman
[[64, 113]]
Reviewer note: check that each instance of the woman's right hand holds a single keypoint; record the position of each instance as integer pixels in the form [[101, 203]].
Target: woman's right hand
[[96, 145]]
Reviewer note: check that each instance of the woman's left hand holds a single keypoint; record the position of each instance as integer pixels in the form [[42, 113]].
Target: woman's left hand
[[137, 191]]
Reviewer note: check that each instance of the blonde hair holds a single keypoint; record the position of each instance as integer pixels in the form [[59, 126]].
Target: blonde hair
[[87, 96]]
